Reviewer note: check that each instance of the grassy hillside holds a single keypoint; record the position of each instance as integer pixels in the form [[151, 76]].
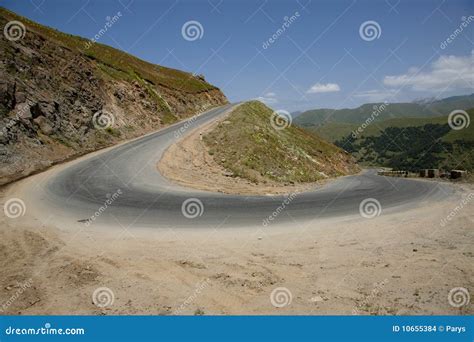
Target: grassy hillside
[[412, 144], [334, 131], [62, 96], [393, 110], [124, 66], [248, 146]]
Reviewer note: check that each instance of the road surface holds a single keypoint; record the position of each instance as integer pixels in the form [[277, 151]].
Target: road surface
[[122, 186]]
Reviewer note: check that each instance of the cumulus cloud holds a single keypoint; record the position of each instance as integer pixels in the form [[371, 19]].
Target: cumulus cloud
[[323, 88], [446, 73]]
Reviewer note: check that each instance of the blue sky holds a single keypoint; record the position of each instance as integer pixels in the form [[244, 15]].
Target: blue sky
[[319, 60]]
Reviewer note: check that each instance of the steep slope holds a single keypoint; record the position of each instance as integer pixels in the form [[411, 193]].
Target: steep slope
[[62, 96], [413, 144], [248, 152], [248, 146]]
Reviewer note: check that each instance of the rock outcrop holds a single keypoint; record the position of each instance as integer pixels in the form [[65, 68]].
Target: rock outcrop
[[61, 97]]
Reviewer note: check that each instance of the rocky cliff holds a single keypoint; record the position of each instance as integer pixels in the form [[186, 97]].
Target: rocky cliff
[[62, 96]]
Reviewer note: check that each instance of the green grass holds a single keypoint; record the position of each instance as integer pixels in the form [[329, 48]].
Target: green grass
[[123, 64], [115, 74], [246, 144], [333, 131], [168, 117], [413, 143], [358, 115], [464, 134], [165, 110]]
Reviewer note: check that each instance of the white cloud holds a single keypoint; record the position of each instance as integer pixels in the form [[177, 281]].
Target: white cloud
[[323, 88], [446, 73], [376, 95], [268, 98]]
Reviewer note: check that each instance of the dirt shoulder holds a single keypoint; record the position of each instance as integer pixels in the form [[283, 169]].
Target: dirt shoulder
[[404, 263], [189, 163]]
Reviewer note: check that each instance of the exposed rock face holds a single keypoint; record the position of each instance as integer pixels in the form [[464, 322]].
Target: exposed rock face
[[57, 102]]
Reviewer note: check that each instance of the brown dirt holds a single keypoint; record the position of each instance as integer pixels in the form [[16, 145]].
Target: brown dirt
[[49, 94], [403, 263], [189, 164]]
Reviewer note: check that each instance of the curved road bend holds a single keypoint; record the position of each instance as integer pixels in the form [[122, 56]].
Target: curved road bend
[[149, 200]]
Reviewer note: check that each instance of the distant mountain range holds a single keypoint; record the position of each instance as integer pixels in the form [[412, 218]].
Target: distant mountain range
[[418, 109], [406, 136]]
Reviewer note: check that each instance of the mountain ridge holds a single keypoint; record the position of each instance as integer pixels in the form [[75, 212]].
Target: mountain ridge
[[392, 110], [59, 99], [412, 144]]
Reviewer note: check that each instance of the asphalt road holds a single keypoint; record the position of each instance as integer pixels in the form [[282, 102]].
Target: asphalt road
[[138, 196]]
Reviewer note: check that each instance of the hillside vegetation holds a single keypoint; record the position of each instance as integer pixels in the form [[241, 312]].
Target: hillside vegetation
[[413, 144], [405, 136], [62, 96], [250, 147], [124, 65], [318, 117], [334, 131]]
